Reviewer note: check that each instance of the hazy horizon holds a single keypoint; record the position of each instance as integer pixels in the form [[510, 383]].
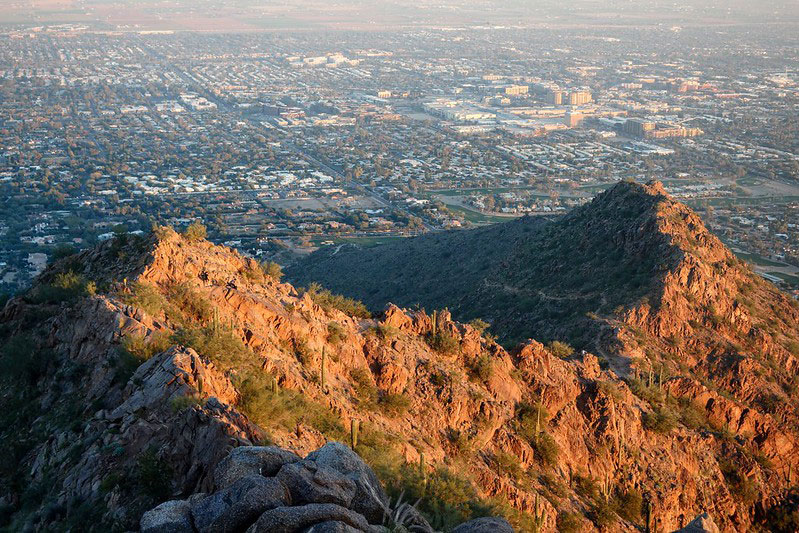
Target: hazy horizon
[[253, 15]]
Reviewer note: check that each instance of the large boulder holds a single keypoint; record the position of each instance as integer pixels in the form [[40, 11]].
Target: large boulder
[[251, 461], [485, 525], [169, 517], [297, 519], [370, 499], [238, 506], [701, 524], [331, 527], [310, 482]]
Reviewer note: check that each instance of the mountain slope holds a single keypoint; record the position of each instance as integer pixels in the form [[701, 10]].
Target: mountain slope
[[130, 370]]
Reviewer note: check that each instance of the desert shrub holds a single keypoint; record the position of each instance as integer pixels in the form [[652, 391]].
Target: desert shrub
[[546, 449], [303, 352], [272, 270], [65, 287], [560, 349], [336, 333], [284, 409], [482, 367], [394, 405], [691, 415], [528, 416], [22, 361], [442, 342], [144, 296], [62, 251], [479, 324], [568, 522], [740, 485], [220, 345], [154, 476], [585, 486], [507, 463], [327, 301], [383, 331], [195, 232], [143, 347], [601, 514], [191, 302], [179, 403], [446, 499], [365, 391], [659, 420], [628, 505]]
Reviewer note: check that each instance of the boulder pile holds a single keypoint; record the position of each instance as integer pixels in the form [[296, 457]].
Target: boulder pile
[[260, 489]]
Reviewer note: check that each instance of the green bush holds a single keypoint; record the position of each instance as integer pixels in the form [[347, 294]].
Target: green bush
[[568, 522], [195, 232], [190, 302], [508, 464], [660, 420], [284, 409], [144, 296], [65, 287], [272, 270], [629, 504], [740, 485], [394, 405], [479, 324], [560, 349], [143, 347], [22, 361], [443, 342], [365, 391], [546, 449], [482, 367], [220, 345], [327, 301], [154, 476], [336, 333]]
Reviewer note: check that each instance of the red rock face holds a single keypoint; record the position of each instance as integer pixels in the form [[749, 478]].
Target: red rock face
[[716, 331]]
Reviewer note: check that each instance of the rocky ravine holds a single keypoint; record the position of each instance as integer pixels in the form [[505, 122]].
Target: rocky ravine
[[233, 357]]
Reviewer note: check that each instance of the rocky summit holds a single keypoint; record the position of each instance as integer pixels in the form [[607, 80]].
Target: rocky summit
[[164, 383]]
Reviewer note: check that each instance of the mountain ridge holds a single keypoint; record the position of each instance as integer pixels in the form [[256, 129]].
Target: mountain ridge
[[136, 366]]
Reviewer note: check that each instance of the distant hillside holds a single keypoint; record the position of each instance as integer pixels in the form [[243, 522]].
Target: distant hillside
[[531, 277], [633, 276]]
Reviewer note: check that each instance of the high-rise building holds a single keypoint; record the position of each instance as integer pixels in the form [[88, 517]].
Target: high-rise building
[[580, 97], [573, 120], [516, 90], [555, 97], [638, 127]]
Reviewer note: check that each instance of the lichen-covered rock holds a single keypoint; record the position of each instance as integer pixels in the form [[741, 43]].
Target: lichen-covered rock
[[485, 525], [239, 505], [296, 519], [310, 482], [251, 460], [169, 517], [370, 499]]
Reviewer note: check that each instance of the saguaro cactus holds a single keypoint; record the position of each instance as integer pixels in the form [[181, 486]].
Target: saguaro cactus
[[354, 427], [324, 370], [539, 516]]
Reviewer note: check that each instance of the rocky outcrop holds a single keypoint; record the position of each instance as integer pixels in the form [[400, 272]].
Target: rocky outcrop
[[701, 524], [332, 489]]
